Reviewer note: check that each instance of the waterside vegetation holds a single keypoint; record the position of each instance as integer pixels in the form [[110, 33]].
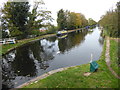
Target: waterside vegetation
[[111, 22]]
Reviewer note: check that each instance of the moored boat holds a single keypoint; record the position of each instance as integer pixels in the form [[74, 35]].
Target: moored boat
[[63, 32]]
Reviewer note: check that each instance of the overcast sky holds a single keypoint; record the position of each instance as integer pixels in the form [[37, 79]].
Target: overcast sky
[[90, 8]]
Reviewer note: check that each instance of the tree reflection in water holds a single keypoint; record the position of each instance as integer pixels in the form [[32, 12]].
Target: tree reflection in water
[[73, 40], [7, 73]]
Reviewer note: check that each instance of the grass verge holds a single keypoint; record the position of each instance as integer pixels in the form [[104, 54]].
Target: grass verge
[[114, 55], [74, 78]]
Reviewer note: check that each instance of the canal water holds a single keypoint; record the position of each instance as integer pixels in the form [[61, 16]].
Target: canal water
[[36, 58]]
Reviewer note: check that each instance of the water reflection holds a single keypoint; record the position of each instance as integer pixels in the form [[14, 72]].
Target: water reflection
[[7, 73], [38, 57], [73, 40], [23, 64]]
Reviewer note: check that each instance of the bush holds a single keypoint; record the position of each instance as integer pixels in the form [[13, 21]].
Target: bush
[[35, 32]]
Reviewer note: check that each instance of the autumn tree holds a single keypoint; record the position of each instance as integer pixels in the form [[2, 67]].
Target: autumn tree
[[83, 20], [73, 20], [70, 20]]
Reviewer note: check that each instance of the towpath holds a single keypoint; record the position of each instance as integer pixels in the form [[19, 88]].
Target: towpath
[[107, 58]]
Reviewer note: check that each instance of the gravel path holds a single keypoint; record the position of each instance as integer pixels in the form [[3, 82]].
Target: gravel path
[[107, 58]]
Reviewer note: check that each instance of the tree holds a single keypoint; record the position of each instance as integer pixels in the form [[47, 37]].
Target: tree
[[20, 21], [83, 21], [38, 18], [118, 12], [70, 20], [61, 20], [91, 21], [73, 20], [110, 22], [15, 17]]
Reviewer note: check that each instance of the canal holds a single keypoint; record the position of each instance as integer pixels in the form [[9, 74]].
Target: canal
[[36, 58]]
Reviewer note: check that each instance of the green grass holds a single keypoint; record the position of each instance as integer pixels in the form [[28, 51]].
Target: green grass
[[74, 78], [114, 55], [7, 47]]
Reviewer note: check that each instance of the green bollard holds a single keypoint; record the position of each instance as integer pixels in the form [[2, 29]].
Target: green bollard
[[93, 66]]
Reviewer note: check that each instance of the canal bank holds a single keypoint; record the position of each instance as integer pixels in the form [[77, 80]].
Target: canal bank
[[9, 47], [4, 49], [73, 77]]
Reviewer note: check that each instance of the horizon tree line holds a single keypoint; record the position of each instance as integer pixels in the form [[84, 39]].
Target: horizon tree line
[[71, 20]]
